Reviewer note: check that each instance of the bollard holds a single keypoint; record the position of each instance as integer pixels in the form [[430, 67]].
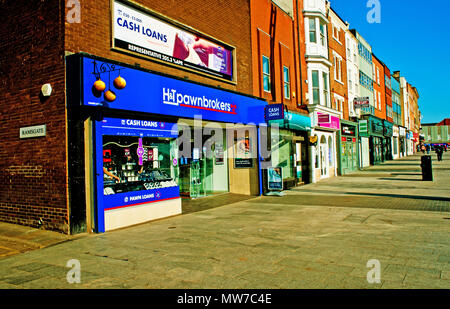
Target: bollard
[[427, 169]]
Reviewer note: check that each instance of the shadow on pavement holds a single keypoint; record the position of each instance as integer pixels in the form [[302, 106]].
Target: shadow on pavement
[[418, 197], [401, 179]]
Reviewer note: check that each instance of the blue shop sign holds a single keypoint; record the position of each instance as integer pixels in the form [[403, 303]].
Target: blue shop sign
[[274, 112], [152, 93], [293, 121]]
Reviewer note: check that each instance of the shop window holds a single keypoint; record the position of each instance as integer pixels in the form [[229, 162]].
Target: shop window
[[330, 151], [133, 163]]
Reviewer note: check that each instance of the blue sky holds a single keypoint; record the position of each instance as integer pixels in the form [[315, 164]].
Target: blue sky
[[413, 37]]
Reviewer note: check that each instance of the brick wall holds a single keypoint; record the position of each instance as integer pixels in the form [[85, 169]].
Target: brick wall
[[32, 171], [337, 47], [227, 21], [380, 88]]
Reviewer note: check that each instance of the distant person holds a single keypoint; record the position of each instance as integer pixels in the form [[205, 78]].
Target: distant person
[[428, 149], [439, 151], [423, 148]]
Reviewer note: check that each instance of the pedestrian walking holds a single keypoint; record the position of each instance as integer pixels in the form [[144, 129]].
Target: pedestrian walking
[[428, 149], [439, 152]]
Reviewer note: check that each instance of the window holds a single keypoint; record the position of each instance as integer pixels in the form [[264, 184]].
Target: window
[[387, 81], [325, 89], [266, 73], [375, 97], [337, 68], [348, 49], [378, 76], [315, 87], [350, 83], [322, 33], [379, 100], [312, 30], [365, 81], [287, 87], [364, 53], [336, 33]]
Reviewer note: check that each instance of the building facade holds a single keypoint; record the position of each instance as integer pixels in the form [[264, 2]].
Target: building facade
[[324, 119], [365, 91], [279, 76], [121, 87]]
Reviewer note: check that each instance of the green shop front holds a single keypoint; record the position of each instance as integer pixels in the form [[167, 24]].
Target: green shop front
[[289, 148], [388, 131], [375, 131], [348, 145]]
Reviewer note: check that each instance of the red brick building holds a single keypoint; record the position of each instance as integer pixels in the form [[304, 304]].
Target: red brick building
[[388, 92], [337, 56], [279, 76], [43, 180], [379, 88], [277, 35]]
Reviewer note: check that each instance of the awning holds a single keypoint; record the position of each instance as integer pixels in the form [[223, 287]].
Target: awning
[[293, 121]]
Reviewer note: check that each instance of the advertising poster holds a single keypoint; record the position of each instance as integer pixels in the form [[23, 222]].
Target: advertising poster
[[274, 178], [242, 153], [139, 32]]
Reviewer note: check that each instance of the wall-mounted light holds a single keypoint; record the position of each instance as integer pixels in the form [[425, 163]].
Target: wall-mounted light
[[46, 90]]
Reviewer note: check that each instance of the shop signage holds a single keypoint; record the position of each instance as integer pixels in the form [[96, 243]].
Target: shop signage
[[395, 131], [362, 102], [275, 178], [243, 163], [157, 94], [243, 153], [34, 131], [142, 128], [363, 126], [136, 31], [323, 118], [274, 112], [328, 121], [348, 130], [377, 126]]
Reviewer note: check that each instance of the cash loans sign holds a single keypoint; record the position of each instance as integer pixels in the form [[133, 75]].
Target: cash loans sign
[[138, 32]]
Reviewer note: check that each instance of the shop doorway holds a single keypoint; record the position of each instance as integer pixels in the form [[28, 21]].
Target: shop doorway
[[323, 157], [205, 173]]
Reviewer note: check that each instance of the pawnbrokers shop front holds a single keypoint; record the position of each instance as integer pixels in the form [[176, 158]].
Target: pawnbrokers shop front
[[157, 139]]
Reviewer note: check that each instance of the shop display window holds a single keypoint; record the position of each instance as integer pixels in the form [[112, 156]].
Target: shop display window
[[132, 163]]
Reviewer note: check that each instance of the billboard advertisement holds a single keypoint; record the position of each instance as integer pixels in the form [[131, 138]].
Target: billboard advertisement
[[137, 31]]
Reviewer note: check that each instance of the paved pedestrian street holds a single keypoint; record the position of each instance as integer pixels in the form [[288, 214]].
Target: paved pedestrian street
[[333, 234]]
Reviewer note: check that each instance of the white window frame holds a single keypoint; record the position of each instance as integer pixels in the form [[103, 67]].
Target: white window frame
[[314, 30], [264, 74], [286, 83]]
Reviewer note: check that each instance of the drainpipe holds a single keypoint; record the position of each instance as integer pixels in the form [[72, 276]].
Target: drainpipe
[[299, 54]]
